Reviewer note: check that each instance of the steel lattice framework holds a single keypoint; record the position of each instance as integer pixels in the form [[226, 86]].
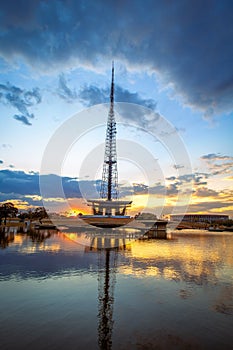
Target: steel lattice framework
[[109, 185], [107, 267]]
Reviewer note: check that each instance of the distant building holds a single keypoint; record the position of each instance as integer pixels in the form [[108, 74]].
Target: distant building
[[199, 217]]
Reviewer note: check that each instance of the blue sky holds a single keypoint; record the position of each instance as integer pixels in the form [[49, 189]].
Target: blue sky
[[174, 58]]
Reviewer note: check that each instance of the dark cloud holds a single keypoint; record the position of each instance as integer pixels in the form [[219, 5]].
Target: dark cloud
[[64, 91], [22, 119], [171, 178], [10, 196], [196, 179], [140, 188], [218, 164], [21, 184], [210, 206], [206, 192], [173, 189], [224, 171], [21, 100], [1, 161], [130, 107], [188, 44], [123, 95], [25, 186], [214, 156], [91, 95], [157, 189]]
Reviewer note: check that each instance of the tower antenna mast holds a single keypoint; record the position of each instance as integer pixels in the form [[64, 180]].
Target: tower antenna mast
[[109, 185]]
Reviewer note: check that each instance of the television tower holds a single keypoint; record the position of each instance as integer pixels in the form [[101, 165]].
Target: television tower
[[109, 185], [109, 211]]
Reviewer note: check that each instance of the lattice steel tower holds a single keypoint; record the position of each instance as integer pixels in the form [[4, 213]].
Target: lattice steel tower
[[109, 185]]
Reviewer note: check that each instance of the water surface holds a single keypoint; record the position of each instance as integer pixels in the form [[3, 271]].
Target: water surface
[[57, 292]]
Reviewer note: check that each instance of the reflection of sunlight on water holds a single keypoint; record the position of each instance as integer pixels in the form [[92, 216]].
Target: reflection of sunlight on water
[[150, 271], [99, 240], [76, 238], [18, 239], [195, 257], [28, 250], [171, 274], [172, 250], [153, 271], [53, 248]]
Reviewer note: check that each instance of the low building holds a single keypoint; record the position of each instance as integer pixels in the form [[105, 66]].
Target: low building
[[198, 217]]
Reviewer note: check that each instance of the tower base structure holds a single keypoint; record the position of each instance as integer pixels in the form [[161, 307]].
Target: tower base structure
[[108, 214]]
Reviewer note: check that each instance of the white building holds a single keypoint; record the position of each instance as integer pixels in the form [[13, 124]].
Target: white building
[[198, 217]]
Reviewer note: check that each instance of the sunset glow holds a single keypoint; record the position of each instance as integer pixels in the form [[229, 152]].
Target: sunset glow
[[42, 92]]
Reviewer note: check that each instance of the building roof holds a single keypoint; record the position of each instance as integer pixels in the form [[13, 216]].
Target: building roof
[[106, 203]]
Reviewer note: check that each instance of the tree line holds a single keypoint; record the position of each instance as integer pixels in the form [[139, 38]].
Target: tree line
[[8, 210]]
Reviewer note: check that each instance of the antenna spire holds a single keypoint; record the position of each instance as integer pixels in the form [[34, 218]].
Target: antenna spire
[[112, 86], [109, 185]]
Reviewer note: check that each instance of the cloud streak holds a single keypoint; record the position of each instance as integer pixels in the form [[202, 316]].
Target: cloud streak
[[91, 95], [188, 45], [64, 91], [214, 157], [21, 100], [218, 164], [197, 179]]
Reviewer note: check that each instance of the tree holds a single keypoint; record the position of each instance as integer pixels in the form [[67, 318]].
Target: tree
[[36, 214], [7, 210], [39, 214]]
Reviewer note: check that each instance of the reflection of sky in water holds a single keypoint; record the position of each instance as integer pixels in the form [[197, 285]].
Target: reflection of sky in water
[[167, 293]]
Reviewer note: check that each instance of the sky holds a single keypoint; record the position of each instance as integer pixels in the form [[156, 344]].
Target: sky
[[173, 93]]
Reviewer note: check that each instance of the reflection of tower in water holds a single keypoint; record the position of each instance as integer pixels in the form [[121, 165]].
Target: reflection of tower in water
[[107, 249], [107, 266]]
